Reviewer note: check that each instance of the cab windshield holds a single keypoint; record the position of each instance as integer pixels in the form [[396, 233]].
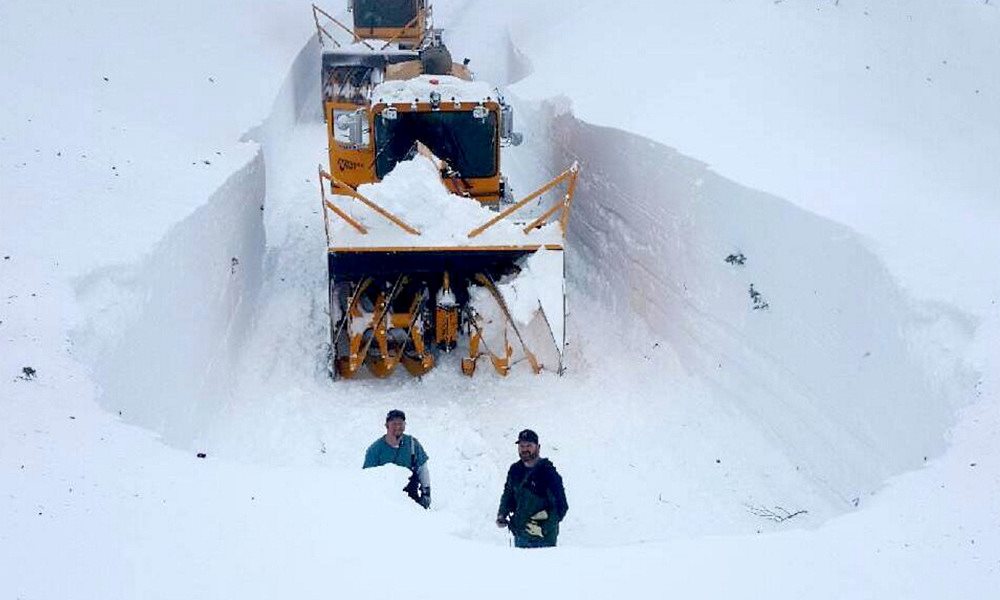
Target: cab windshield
[[384, 13], [467, 144]]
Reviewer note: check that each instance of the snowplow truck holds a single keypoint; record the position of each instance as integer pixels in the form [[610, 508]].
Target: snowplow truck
[[428, 253]]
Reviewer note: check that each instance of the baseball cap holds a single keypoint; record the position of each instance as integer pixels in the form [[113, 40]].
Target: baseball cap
[[395, 414], [527, 435]]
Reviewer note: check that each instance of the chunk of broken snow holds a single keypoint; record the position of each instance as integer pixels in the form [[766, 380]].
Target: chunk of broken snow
[[452, 89], [414, 193]]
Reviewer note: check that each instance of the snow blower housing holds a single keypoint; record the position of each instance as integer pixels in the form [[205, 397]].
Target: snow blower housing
[[426, 250]]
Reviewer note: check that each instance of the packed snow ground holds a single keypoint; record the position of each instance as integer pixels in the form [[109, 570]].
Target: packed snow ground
[[166, 314]]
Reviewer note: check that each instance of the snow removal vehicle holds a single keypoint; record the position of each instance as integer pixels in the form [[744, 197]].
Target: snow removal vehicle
[[427, 251]]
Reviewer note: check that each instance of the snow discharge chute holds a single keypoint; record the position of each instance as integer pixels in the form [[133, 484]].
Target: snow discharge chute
[[427, 251]]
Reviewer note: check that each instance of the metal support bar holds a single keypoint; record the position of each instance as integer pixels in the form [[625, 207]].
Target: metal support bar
[[320, 30], [350, 221], [354, 36], [567, 200], [545, 217], [348, 190], [340, 213], [412, 22]]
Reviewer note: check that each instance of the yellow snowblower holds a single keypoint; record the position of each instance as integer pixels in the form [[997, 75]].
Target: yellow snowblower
[[427, 251]]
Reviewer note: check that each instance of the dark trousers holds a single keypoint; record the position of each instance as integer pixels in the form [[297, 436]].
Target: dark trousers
[[523, 540]]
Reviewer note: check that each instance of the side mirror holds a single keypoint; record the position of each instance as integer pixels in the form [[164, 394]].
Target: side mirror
[[357, 128], [350, 127], [343, 121], [507, 133]]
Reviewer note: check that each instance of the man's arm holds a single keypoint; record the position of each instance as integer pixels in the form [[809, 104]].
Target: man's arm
[[420, 453], [424, 475], [507, 504], [420, 459], [559, 496]]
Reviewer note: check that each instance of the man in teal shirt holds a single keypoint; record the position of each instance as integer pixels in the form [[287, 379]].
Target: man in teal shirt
[[404, 450]]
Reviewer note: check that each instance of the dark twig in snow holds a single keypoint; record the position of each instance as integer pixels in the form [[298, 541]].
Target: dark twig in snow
[[778, 514]]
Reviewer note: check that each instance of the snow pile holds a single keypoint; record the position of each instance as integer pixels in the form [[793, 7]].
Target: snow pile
[[368, 46], [413, 191], [419, 89], [533, 301], [532, 288]]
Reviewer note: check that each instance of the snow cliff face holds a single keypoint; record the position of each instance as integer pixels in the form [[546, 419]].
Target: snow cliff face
[[786, 315], [872, 114], [733, 359]]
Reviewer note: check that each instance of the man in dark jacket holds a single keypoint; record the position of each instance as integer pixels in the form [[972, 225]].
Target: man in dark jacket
[[533, 501]]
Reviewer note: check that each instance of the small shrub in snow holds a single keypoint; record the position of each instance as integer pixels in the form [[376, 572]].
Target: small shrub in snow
[[736, 259], [777, 514], [758, 300]]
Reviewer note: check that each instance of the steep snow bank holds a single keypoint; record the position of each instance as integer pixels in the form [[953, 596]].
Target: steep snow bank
[[786, 315], [881, 116], [162, 333], [124, 118]]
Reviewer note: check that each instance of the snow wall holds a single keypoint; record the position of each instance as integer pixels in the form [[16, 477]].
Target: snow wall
[[802, 329], [164, 335], [164, 330]]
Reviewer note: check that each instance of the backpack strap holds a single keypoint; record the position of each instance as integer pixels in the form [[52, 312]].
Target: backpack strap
[[413, 455]]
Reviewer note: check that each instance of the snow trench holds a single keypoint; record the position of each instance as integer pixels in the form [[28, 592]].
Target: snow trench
[[727, 350]]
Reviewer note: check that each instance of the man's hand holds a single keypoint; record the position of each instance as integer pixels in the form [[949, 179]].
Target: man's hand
[[540, 516], [502, 521], [533, 528], [425, 497]]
